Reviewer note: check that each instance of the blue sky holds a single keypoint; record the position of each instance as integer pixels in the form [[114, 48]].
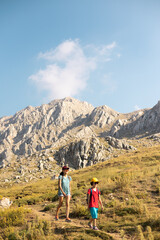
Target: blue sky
[[105, 52]]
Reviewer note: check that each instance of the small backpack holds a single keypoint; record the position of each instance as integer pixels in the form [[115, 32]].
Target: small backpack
[[91, 195]]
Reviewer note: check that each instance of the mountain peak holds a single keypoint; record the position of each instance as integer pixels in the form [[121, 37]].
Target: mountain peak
[[35, 128]]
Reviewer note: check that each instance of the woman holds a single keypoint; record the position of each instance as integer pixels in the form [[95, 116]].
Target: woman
[[64, 191]]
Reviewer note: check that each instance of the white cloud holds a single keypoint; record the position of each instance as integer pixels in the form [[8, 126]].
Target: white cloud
[[102, 53], [68, 67], [136, 107], [105, 50], [67, 73]]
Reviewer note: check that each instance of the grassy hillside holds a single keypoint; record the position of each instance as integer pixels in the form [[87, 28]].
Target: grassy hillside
[[130, 190]]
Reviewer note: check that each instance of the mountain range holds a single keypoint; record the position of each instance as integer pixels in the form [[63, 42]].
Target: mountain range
[[67, 124]]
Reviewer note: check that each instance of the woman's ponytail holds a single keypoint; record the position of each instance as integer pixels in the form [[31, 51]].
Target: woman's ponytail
[[62, 173]]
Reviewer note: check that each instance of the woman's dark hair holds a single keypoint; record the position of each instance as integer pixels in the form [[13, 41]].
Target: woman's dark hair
[[62, 173]]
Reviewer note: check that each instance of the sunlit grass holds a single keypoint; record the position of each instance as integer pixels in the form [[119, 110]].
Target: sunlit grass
[[130, 190]]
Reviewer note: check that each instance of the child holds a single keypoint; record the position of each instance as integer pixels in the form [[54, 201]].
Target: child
[[93, 198], [64, 191]]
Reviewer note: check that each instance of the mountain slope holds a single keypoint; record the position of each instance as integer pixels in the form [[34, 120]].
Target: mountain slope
[[35, 128], [57, 124], [146, 122], [129, 186]]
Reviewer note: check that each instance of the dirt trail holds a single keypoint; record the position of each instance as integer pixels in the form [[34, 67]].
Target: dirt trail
[[75, 225]]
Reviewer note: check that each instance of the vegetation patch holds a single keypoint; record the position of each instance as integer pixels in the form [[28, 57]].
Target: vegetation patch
[[12, 217], [126, 211], [80, 211], [49, 207]]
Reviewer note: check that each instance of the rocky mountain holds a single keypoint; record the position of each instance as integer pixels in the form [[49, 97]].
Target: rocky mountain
[[72, 131], [145, 122], [33, 129]]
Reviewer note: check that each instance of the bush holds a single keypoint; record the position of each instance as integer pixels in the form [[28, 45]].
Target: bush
[[49, 207], [12, 217], [34, 200], [154, 223], [55, 198], [20, 202], [77, 193], [13, 236], [48, 196], [122, 182], [106, 191], [81, 184], [80, 211], [125, 211]]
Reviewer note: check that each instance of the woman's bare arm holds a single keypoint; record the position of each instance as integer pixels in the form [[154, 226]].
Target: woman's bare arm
[[60, 186], [70, 187]]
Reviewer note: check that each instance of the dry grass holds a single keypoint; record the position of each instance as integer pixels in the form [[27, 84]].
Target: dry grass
[[130, 189]]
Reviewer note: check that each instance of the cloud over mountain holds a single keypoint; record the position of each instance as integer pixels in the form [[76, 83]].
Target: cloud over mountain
[[68, 68], [66, 72]]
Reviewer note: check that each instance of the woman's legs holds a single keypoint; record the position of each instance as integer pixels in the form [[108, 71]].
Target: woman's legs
[[59, 205], [67, 206]]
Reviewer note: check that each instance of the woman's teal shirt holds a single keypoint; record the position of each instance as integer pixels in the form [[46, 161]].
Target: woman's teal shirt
[[65, 182]]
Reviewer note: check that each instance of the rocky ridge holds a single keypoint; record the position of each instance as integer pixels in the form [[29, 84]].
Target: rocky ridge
[[145, 122], [69, 131]]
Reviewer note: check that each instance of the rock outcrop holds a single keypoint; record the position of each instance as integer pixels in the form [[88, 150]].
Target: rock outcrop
[[102, 116], [82, 153], [120, 144]]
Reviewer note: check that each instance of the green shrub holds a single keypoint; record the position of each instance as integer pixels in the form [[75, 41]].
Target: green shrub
[[106, 191], [122, 182], [34, 200], [20, 202], [81, 184], [125, 211], [49, 207], [77, 193], [110, 204], [12, 217], [13, 236], [48, 196], [153, 222], [28, 201], [55, 198], [80, 211]]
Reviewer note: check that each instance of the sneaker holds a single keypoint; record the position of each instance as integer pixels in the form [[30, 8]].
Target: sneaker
[[56, 218], [90, 225], [68, 220], [95, 228]]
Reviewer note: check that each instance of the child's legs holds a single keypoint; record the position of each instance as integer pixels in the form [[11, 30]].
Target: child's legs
[[59, 205], [91, 220], [94, 222], [67, 205], [94, 214]]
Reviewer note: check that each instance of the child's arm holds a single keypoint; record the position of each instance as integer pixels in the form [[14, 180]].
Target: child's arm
[[88, 199], [100, 201]]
